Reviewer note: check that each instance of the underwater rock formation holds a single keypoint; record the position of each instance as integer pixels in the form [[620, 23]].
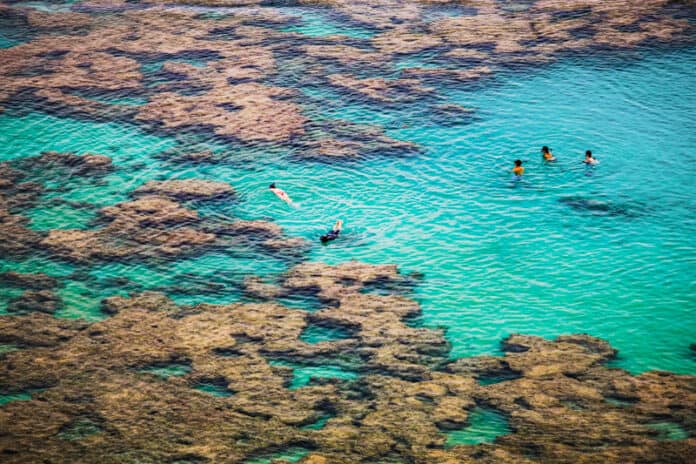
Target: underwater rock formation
[[125, 388], [45, 301], [154, 226], [347, 140], [148, 226], [235, 90], [255, 112], [600, 207], [383, 90], [81, 165], [30, 281], [15, 237], [189, 189], [447, 75]]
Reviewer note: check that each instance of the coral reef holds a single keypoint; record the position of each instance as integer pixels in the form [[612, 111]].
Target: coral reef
[[153, 226], [234, 91], [15, 238], [96, 396], [388, 91], [189, 189], [128, 388], [81, 165]]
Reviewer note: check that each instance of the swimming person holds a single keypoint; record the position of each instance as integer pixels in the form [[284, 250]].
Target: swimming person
[[333, 234], [589, 159], [546, 153], [518, 170], [280, 193]]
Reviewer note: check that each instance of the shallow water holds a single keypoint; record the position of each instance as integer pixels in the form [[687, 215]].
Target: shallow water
[[483, 426], [606, 251]]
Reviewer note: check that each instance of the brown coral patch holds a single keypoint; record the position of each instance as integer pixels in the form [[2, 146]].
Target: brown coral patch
[[190, 189], [97, 386]]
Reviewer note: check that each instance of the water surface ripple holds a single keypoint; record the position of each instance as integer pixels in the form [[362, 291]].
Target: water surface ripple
[[607, 250]]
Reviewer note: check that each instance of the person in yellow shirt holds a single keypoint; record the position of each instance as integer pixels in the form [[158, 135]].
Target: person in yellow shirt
[[546, 153], [518, 170]]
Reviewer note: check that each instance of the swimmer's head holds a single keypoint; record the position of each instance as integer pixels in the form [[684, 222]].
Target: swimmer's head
[[588, 154], [544, 149], [518, 162], [272, 186]]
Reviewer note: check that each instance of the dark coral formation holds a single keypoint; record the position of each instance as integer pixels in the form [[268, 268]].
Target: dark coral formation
[[15, 237], [240, 77], [98, 401], [88, 164], [154, 226], [189, 189], [148, 226], [127, 389]]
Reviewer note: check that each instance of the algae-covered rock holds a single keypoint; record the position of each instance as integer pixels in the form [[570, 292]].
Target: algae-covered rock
[[32, 281], [189, 189], [45, 301], [87, 164], [99, 391], [378, 89]]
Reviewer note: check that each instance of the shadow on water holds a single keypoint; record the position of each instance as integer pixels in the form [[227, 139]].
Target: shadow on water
[[599, 207]]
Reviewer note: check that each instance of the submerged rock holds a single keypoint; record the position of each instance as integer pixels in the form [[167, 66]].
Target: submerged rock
[[45, 301], [599, 207], [16, 239], [87, 164], [556, 405], [148, 226], [447, 75], [347, 140], [382, 90], [264, 229], [189, 189], [31, 281]]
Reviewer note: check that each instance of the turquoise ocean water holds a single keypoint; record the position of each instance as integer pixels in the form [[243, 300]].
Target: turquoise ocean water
[[607, 251]]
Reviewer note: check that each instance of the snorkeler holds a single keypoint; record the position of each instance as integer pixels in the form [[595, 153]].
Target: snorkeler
[[546, 153], [333, 234], [280, 193], [589, 159], [518, 170]]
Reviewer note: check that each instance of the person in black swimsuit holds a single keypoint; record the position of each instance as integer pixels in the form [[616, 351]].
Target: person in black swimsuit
[[333, 234]]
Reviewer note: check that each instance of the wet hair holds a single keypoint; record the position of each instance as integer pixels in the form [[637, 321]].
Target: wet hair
[[518, 162], [272, 186], [544, 149], [588, 153]]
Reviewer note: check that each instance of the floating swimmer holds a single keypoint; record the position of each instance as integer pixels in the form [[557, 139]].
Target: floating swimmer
[[589, 159], [546, 153], [333, 234], [280, 193], [518, 170]]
